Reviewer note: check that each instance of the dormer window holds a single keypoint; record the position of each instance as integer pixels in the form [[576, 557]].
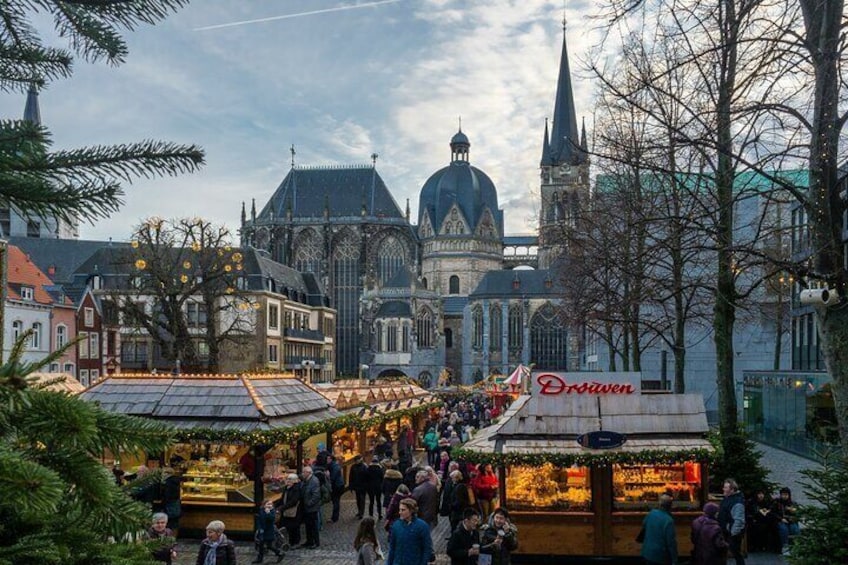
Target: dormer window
[[27, 293]]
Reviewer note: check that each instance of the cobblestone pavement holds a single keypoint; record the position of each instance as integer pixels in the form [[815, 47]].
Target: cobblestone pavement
[[337, 539]]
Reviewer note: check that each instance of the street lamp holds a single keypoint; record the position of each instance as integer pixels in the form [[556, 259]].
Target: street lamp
[[308, 364], [363, 370]]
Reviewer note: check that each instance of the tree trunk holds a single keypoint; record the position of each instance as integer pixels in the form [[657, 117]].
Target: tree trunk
[[822, 25], [725, 305]]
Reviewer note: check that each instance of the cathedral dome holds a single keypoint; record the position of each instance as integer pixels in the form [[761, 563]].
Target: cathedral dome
[[459, 183]]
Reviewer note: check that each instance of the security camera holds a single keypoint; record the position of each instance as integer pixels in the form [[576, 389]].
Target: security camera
[[819, 297]]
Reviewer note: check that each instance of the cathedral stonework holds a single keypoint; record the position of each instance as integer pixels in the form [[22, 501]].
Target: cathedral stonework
[[416, 299]]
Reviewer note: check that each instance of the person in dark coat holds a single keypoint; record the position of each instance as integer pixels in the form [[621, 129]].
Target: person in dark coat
[[761, 523], [224, 551], [266, 532], [289, 509], [659, 545], [166, 552], [710, 547], [358, 483], [337, 487], [464, 543], [374, 475], [171, 498], [787, 518], [427, 497], [392, 478], [499, 538], [447, 496], [310, 502], [462, 498], [731, 518]]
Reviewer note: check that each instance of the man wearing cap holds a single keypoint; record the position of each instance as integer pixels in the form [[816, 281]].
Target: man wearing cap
[[710, 547], [358, 482]]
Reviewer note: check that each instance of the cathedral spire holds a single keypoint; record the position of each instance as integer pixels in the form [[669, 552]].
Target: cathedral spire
[[564, 144], [32, 112], [546, 148], [583, 144], [253, 210], [243, 214]]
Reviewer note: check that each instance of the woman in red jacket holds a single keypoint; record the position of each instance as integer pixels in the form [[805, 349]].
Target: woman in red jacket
[[485, 486]]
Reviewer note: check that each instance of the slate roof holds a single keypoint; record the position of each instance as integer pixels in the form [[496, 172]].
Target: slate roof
[[462, 184], [530, 283], [454, 305], [343, 189], [564, 144], [65, 256], [521, 240], [238, 402], [400, 280], [394, 309], [551, 424]]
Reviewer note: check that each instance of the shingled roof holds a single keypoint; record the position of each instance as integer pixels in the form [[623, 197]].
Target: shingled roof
[[232, 402], [343, 190]]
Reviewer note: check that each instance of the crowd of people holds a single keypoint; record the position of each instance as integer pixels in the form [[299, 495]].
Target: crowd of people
[[718, 533]]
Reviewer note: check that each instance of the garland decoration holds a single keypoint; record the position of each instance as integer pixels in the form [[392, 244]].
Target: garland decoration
[[585, 459], [302, 431]]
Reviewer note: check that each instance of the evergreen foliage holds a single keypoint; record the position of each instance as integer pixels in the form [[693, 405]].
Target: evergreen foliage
[[738, 457], [84, 183], [58, 503], [825, 524]]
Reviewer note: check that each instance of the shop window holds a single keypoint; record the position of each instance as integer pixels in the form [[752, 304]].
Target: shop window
[[565, 489], [639, 487]]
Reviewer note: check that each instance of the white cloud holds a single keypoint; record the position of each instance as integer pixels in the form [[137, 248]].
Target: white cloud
[[390, 79]]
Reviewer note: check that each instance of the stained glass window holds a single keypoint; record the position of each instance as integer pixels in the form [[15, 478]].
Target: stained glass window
[[495, 328], [424, 328], [390, 259], [516, 328], [548, 343], [346, 291], [307, 253]]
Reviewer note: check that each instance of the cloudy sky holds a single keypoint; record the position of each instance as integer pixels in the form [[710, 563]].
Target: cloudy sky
[[339, 80]]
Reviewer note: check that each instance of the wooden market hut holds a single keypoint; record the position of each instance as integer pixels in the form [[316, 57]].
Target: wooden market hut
[[221, 418], [379, 407], [578, 472]]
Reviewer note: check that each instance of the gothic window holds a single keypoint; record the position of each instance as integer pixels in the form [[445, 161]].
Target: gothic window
[[548, 346], [425, 379], [392, 337], [379, 336], [477, 327], [516, 328], [453, 285], [307, 254], [424, 328], [346, 291], [495, 328], [390, 259], [405, 338], [424, 283], [448, 338]]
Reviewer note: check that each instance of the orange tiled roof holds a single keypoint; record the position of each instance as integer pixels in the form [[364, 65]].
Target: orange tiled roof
[[22, 271]]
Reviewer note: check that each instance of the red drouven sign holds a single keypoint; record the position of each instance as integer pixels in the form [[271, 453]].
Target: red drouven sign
[[554, 384]]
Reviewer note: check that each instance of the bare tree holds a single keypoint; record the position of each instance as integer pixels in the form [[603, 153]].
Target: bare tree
[[195, 280]]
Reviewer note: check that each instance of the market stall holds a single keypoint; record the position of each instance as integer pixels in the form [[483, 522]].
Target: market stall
[[582, 463], [382, 408], [239, 435]]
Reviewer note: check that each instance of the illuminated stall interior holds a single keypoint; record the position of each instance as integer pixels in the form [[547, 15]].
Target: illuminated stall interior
[[239, 434], [568, 499], [382, 407]]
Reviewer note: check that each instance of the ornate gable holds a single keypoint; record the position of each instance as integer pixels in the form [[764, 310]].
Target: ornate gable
[[454, 223]]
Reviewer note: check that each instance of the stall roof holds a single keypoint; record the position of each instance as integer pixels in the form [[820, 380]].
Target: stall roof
[[636, 414], [231, 402], [550, 425], [381, 396], [69, 384]]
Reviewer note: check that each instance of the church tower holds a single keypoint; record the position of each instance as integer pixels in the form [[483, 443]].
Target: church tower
[[564, 166]]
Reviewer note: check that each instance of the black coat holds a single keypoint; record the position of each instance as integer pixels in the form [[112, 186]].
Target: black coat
[[290, 499], [374, 478], [357, 480], [225, 553], [392, 479], [459, 543]]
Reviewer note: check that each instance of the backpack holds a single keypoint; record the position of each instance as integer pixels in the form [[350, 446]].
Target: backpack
[[323, 487]]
